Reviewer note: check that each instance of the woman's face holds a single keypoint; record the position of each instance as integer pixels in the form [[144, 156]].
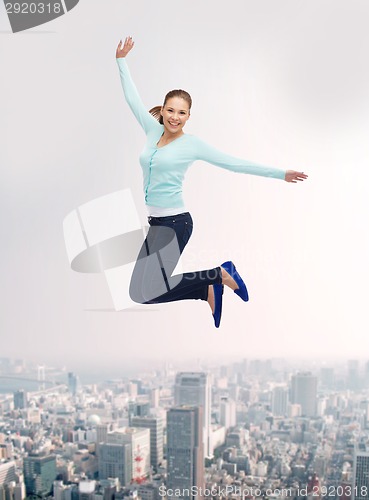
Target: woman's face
[[175, 114]]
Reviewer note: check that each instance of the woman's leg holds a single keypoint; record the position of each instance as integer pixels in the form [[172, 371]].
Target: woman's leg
[[152, 281]]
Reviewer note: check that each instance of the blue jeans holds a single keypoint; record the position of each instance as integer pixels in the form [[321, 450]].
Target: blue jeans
[[152, 281]]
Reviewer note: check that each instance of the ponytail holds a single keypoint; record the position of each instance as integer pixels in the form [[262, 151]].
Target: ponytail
[[155, 111]]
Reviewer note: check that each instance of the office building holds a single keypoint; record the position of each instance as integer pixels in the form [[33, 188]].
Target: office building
[[185, 450], [138, 410], [227, 412], [194, 389], [7, 472], [155, 425], [154, 398], [360, 486], [279, 401], [304, 392], [139, 440], [39, 474], [115, 460], [73, 383], [20, 399]]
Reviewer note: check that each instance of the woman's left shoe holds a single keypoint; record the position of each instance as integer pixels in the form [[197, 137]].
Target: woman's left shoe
[[241, 291], [218, 302]]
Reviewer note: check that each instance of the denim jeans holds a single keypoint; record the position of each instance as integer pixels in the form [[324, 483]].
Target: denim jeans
[[152, 281]]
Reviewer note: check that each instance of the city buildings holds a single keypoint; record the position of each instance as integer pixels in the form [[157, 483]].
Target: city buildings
[[313, 440], [155, 426], [139, 441], [193, 388], [185, 451], [360, 484], [115, 460], [39, 474], [304, 387]]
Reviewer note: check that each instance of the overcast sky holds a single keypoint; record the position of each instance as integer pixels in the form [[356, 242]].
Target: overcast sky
[[283, 83]]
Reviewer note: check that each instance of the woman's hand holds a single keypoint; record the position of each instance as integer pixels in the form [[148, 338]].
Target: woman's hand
[[293, 176], [124, 48]]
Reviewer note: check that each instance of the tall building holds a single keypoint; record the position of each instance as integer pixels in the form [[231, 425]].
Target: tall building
[[360, 487], [227, 412], [39, 474], [138, 410], [150, 491], [86, 489], [185, 450], [279, 401], [115, 460], [139, 439], [154, 398], [194, 389], [20, 399], [155, 425], [73, 383], [65, 492], [304, 392], [7, 472], [6, 451], [12, 491], [102, 431]]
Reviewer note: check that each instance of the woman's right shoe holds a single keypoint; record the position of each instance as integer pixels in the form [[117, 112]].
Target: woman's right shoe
[[241, 291], [218, 302]]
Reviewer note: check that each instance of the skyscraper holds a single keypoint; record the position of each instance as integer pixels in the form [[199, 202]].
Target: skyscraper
[[304, 392], [227, 412], [139, 439], [360, 487], [39, 474], [138, 410], [115, 460], [73, 383], [193, 389], [155, 425], [20, 399], [154, 398], [185, 450], [279, 401], [7, 472]]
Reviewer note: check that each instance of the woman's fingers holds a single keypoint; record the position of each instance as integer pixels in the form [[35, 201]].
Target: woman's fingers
[[293, 176], [124, 48]]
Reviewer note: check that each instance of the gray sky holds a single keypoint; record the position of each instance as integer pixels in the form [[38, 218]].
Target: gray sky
[[280, 83]]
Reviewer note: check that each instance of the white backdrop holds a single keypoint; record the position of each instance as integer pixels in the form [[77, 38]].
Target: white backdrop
[[283, 83]]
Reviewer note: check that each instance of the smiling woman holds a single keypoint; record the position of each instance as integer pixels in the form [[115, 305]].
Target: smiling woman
[[167, 155]]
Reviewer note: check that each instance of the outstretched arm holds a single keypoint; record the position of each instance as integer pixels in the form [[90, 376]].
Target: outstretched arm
[[212, 155], [147, 121]]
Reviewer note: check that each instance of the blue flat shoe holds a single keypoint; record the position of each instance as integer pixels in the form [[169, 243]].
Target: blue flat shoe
[[241, 291], [218, 302]]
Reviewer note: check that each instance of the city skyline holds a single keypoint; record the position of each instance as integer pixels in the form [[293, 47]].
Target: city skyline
[[273, 428]]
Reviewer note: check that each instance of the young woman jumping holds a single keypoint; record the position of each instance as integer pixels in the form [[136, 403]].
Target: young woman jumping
[[165, 159]]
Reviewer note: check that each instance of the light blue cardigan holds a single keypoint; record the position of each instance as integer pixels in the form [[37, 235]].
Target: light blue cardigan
[[164, 168]]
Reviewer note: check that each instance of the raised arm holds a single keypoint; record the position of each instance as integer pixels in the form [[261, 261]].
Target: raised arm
[[145, 119], [212, 155]]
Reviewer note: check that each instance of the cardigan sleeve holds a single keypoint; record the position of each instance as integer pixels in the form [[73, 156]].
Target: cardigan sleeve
[[205, 152], [144, 118]]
